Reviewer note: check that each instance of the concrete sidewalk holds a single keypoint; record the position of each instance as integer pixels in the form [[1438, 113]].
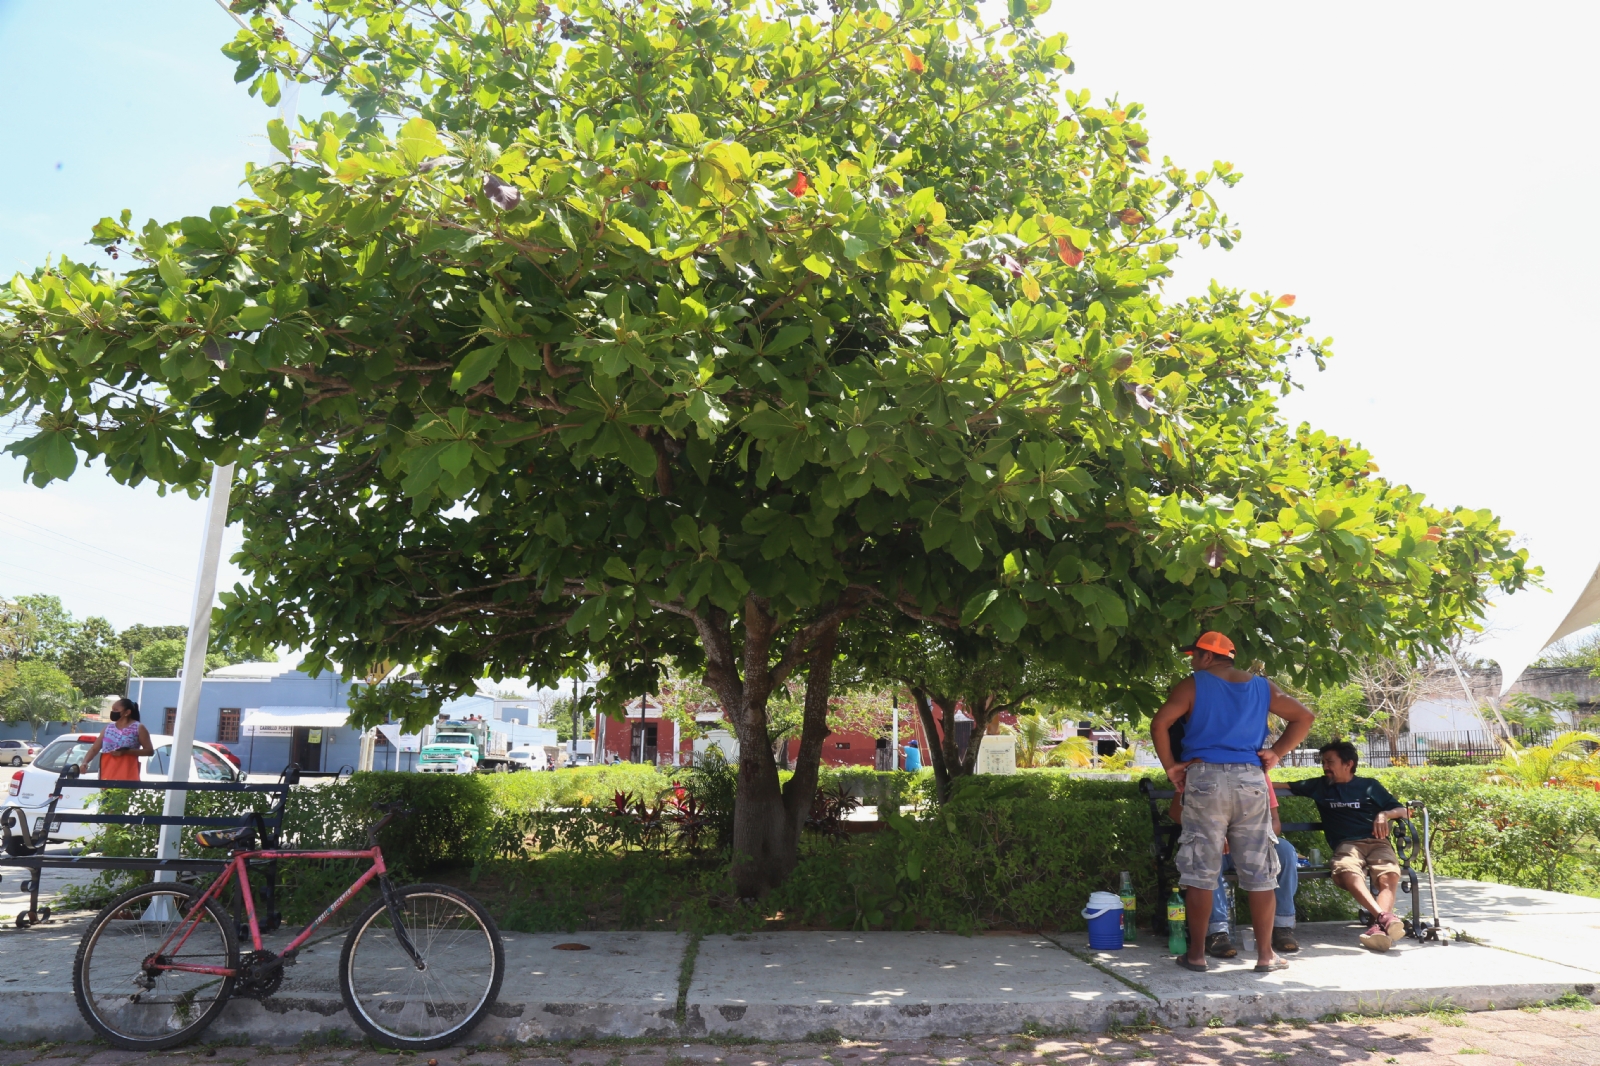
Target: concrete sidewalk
[[1536, 947]]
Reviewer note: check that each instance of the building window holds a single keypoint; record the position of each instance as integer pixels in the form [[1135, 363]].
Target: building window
[[172, 720], [228, 726]]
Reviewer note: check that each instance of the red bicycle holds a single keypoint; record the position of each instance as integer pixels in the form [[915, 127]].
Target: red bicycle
[[420, 968]]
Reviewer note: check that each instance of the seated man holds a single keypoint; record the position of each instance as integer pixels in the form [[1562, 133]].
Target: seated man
[[1356, 812]]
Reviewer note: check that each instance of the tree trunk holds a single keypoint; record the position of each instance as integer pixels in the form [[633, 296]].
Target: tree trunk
[[767, 818], [941, 769]]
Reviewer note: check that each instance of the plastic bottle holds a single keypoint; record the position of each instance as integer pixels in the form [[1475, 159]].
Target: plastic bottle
[[1177, 925], [1129, 903]]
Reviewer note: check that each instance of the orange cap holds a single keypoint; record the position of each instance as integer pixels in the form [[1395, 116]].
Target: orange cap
[[1213, 642]]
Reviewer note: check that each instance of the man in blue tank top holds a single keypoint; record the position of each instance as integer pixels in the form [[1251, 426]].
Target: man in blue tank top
[[1223, 787]]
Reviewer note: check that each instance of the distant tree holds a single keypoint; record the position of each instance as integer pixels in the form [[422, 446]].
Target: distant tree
[[1536, 716], [41, 693], [161, 658], [158, 651], [136, 637], [1579, 651], [1342, 714], [48, 628], [16, 626], [93, 657]]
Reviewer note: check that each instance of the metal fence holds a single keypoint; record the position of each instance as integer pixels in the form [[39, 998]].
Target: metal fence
[[1423, 749]]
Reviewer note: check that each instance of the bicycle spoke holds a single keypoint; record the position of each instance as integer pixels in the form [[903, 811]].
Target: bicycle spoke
[[138, 1002], [459, 974]]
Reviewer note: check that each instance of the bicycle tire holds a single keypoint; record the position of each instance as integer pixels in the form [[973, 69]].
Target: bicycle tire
[[105, 967], [394, 1003]]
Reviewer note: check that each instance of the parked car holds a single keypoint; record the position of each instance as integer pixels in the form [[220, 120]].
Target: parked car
[[17, 752], [228, 754], [30, 788]]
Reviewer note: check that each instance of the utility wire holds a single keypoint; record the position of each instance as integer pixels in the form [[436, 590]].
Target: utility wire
[[97, 548]]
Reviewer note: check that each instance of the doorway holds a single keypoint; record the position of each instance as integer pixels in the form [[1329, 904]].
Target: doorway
[[305, 749], [644, 743]]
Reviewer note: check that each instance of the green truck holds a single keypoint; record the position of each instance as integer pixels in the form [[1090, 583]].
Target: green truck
[[488, 743]]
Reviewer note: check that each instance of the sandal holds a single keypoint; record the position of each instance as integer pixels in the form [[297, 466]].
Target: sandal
[[1183, 960], [1273, 966]]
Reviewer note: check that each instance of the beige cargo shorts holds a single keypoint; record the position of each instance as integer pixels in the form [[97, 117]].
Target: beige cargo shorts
[[1227, 802]]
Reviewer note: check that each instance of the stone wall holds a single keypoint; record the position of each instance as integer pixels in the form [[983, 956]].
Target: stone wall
[[1544, 682]]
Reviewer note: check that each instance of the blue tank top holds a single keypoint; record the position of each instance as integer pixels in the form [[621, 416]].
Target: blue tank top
[[1228, 721]]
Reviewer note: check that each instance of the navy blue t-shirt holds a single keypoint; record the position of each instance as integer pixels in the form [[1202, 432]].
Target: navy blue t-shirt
[[1347, 810]]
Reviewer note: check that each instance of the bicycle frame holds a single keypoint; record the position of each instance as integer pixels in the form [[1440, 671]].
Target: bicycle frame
[[236, 867]]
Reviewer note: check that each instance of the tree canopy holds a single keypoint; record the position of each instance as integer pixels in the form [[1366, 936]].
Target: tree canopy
[[688, 332]]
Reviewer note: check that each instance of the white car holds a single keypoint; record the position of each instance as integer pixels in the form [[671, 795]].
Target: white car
[[17, 752], [523, 759], [30, 789]]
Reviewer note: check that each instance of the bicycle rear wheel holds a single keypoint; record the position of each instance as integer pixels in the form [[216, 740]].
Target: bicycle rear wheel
[[463, 964], [141, 1008]]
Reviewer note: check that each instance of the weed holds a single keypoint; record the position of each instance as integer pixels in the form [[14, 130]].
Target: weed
[[1473, 1051], [691, 951], [1214, 1023], [1573, 1001]]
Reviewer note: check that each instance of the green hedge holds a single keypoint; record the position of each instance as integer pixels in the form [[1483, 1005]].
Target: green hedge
[[1017, 851]]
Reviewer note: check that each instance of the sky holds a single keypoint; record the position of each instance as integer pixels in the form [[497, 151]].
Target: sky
[[1414, 174]]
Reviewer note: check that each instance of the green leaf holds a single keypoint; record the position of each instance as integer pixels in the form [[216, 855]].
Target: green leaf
[[418, 140], [172, 273], [636, 452], [278, 134], [476, 366], [254, 317]]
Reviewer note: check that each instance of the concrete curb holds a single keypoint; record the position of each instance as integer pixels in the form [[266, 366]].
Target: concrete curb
[[787, 986]]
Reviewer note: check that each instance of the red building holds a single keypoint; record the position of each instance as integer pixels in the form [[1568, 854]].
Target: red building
[[643, 736]]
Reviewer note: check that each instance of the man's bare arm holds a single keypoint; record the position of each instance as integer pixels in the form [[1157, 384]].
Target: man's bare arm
[[1180, 701], [1297, 721]]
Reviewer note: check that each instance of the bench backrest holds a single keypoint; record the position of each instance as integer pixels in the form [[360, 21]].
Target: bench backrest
[[269, 822]]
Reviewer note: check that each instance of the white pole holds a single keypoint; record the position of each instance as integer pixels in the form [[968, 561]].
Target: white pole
[[194, 659], [894, 734]]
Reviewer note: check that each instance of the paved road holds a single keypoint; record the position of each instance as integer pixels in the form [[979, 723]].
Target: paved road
[[1491, 1038]]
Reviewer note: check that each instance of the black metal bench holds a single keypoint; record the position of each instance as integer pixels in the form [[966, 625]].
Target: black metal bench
[[1403, 837], [28, 848]]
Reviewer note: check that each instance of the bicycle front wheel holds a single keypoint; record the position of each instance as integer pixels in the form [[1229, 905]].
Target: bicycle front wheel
[[404, 1005], [121, 992]]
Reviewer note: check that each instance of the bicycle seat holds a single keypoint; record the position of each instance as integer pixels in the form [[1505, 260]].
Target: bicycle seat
[[240, 839]]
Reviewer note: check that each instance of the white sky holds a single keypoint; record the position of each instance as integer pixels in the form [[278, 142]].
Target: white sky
[[1414, 173]]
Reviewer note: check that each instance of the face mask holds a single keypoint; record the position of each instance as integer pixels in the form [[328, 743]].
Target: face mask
[[116, 716]]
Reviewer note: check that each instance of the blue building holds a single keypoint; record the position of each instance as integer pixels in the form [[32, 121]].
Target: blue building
[[268, 714]]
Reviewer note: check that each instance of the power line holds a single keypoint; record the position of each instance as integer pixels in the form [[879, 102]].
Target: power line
[[143, 605], [95, 547]]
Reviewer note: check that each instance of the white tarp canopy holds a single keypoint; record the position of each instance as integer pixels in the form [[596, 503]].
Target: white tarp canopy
[[282, 721], [1584, 613], [400, 741]]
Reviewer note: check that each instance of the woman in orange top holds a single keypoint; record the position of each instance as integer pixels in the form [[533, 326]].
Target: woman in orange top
[[120, 744]]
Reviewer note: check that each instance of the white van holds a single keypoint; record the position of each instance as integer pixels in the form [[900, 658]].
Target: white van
[[30, 788]]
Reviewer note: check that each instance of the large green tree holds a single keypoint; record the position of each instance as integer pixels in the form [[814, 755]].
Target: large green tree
[[688, 331]]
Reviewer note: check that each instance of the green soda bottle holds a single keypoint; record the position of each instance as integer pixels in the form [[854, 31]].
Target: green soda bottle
[[1177, 925], [1130, 905]]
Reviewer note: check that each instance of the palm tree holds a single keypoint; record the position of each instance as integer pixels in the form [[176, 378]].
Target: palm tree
[[1074, 751], [41, 694], [1033, 734], [1565, 763]]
